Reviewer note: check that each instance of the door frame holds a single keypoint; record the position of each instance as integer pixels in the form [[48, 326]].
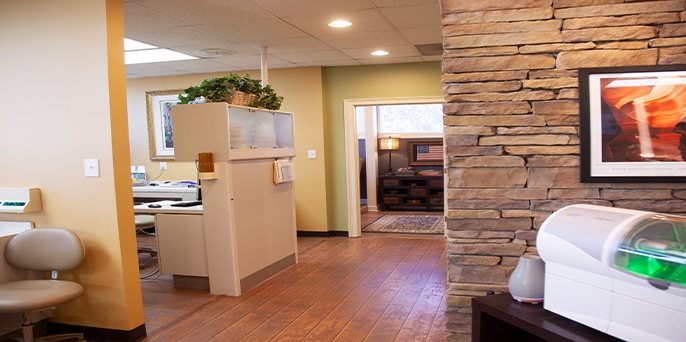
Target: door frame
[[352, 154]]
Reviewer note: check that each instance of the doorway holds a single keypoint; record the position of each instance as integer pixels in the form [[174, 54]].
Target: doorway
[[352, 152]]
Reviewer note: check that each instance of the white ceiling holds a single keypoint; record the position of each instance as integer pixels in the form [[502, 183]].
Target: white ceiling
[[294, 32]]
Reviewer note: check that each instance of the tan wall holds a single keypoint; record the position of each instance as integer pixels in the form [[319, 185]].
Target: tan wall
[[510, 76], [302, 92], [364, 82], [67, 105]]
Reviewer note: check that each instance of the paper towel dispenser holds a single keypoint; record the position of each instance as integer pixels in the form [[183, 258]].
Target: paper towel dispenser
[[19, 200], [617, 270]]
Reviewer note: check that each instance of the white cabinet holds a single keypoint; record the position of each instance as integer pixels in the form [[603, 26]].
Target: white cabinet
[[231, 132], [181, 244]]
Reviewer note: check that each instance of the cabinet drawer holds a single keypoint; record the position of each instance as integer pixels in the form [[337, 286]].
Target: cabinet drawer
[[391, 200], [417, 192], [436, 183], [414, 201], [436, 201], [391, 182]]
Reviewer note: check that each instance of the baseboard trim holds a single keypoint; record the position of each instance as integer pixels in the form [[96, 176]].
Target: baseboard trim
[[267, 272], [98, 334], [312, 234], [322, 234]]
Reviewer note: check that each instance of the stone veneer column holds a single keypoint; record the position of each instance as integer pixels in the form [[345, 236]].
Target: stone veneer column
[[511, 124]]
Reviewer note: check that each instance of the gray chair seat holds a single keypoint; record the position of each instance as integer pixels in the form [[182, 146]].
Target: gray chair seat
[[31, 295], [49, 250], [144, 222]]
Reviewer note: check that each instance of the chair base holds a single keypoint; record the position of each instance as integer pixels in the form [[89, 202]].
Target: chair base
[[27, 331], [75, 337], [152, 252]]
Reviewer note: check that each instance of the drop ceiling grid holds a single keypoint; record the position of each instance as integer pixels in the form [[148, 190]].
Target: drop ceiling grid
[[294, 32]]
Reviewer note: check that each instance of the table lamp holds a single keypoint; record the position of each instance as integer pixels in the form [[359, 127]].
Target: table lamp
[[389, 144]]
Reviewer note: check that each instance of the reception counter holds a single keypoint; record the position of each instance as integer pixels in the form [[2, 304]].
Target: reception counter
[[261, 250]]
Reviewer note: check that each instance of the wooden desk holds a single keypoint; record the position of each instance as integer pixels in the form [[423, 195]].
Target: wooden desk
[[501, 318]]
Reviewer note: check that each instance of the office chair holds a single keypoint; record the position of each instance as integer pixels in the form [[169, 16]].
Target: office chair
[[41, 249], [144, 222]]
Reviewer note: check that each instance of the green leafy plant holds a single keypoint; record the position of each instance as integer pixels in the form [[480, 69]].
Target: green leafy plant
[[212, 89], [221, 88], [269, 99]]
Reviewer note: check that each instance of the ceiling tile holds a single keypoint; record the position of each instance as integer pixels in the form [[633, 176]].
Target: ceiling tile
[[195, 50], [177, 36], [394, 52], [263, 30], [363, 21], [292, 45], [374, 40], [312, 7], [423, 35], [206, 11], [397, 3], [311, 56], [414, 16], [137, 18], [391, 60], [350, 62], [254, 62], [294, 32]]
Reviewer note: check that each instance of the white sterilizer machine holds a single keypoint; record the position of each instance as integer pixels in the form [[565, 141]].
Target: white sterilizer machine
[[617, 270]]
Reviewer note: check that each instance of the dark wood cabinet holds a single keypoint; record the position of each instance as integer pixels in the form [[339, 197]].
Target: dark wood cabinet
[[424, 193], [501, 318]]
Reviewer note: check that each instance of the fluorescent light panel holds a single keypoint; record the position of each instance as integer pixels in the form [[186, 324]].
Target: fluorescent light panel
[[136, 53]]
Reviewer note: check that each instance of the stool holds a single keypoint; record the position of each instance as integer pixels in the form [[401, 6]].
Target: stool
[[145, 222]]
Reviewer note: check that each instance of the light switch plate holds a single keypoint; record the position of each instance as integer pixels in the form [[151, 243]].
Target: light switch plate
[[312, 154], [91, 167]]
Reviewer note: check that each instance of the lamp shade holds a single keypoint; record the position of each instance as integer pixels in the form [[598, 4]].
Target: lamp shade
[[389, 143]]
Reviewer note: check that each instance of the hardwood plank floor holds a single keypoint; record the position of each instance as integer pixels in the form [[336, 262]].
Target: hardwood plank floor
[[380, 287]]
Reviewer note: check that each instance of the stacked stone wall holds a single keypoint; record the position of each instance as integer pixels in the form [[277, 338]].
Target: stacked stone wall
[[512, 124]]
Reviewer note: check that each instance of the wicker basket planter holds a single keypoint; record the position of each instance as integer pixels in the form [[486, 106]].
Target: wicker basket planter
[[235, 90], [240, 98]]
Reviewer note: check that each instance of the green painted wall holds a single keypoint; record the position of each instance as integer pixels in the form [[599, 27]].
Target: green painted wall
[[364, 82]]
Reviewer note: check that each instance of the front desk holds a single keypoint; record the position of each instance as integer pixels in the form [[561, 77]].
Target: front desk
[[248, 207], [180, 243], [263, 245]]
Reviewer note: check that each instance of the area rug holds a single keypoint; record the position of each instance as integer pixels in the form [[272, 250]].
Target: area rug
[[418, 224]]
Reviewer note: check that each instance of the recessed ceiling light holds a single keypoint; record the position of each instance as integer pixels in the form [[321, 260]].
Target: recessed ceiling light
[[340, 23], [137, 53], [379, 53]]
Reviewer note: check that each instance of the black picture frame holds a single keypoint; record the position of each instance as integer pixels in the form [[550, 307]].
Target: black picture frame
[[425, 153], [616, 144]]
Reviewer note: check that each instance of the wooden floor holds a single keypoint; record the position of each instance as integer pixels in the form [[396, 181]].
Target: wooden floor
[[380, 287]]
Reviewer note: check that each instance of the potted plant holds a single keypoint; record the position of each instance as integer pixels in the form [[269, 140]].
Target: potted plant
[[233, 89], [269, 99]]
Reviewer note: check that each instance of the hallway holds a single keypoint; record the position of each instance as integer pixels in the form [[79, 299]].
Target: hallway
[[380, 287]]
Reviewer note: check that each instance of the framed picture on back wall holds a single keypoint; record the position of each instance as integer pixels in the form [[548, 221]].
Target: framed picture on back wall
[[160, 133], [425, 153], [632, 124]]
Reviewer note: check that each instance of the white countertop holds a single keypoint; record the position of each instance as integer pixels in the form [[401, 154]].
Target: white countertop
[[166, 208]]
